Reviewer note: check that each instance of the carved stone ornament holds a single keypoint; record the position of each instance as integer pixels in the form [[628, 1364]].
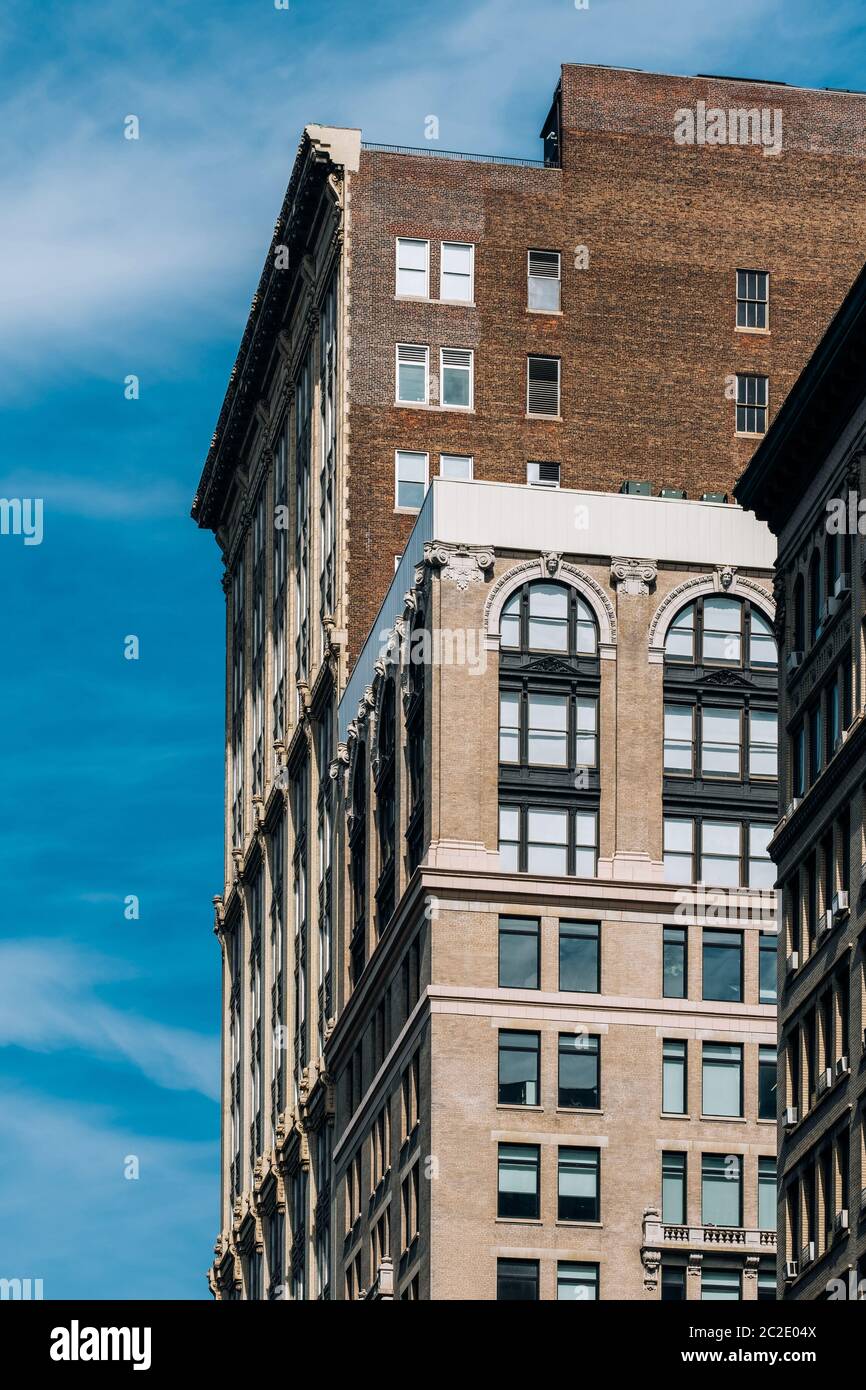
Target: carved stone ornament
[[727, 575], [461, 564], [651, 1262], [551, 562], [633, 576]]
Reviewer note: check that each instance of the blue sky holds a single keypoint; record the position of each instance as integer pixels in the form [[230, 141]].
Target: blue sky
[[121, 257]]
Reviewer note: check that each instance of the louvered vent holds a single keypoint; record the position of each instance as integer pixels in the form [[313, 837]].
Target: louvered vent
[[457, 357], [542, 394], [544, 264], [409, 356]]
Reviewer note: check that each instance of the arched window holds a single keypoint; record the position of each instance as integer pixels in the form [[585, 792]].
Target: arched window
[[720, 744], [386, 804], [719, 631], [799, 614], [548, 731], [816, 595]]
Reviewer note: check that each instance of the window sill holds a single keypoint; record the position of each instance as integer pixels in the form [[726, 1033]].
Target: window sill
[[407, 511], [585, 1225], [554, 419], [548, 313], [745, 434], [576, 1110], [726, 1119], [760, 332], [674, 1115], [429, 405], [759, 1121], [428, 299], [519, 1221], [537, 1109]]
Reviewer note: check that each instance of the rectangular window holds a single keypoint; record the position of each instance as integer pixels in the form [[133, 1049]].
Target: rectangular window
[[456, 373], [509, 726], [721, 738], [518, 952], [674, 1091], [519, 1181], [413, 268], [547, 743], [412, 374], [673, 1283], [762, 870], [544, 280], [585, 843], [546, 841], [674, 964], [509, 838], [517, 1281], [720, 853], [721, 1190], [720, 1285], [763, 743], [723, 966], [767, 951], [723, 632], [579, 1081], [679, 850], [456, 275], [519, 1056], [674, 1189], [578, 1190], [753, 293], [458, 466], [751, 404], [586, 731], [542, 386], [580, 957], [767, 1067], [410, 479], [767, 1285], [722, 1079], [542, 474], [767, 1196], [577, 1283], [680, 739]]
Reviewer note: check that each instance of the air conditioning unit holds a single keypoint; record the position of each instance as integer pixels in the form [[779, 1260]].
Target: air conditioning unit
[[841, 905], [825, 1080], [714, 497], [841, 1222], [789, 1117], [807, 1254], [841, 1066], [825, 923], [637, 489], [793, 661], [792, 963], [831, 608], [791, 1271], [676, 492], [792, 806], [842, 586]]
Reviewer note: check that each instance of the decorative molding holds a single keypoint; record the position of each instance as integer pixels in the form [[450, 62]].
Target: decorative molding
[[461, 564], [696, 587], [633, 576], [726, 575], [588, 588]]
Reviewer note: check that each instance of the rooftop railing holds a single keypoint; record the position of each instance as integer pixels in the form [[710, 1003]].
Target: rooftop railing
[[457, 154]]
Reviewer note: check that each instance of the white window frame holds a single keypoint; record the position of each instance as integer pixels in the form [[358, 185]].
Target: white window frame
[[536, 482], [442, 404], [398, 400], [419, 453], [397, 294], [470, 457], [442, 297], [544, 357], [535, 250]]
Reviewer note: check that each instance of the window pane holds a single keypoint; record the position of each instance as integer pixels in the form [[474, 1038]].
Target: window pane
[[767, 954], [585, 833], [674, 1188], [548, 618], [674, 1077], [767, 1083], [411, 478], [578, 1185], [673, 1283], [586, 720], [762, 870], [722, 966], [680, 644], [576, 1283], [767, 1195], [578, 1071], [720, 1184], [456, 386], [720, 1285], [518, 1068], [509, 731], [456, 271], [509, 838], [517, 1281], [548, 730], [518, 953], [720, 742], [579, 957], [678, 856], [763, 743], [722, 1079], [678, 738], [720, 857], [509, 623], [455, 466], [547, 836], [762, 643], [722, 629], [411, 266], [518, 1180], [587, 632], [674, 968]]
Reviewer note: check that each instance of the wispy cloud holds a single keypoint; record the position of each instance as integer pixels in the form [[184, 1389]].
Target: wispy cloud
[[49, 999], [96, 499]]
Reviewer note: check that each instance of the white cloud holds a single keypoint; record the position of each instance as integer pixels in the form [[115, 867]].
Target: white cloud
[[49, 1001]]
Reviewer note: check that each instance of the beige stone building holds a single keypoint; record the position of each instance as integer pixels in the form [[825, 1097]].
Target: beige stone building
[[553, 1067]]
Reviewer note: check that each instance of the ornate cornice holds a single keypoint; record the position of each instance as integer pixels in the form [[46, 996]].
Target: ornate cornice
[[460, 564]]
